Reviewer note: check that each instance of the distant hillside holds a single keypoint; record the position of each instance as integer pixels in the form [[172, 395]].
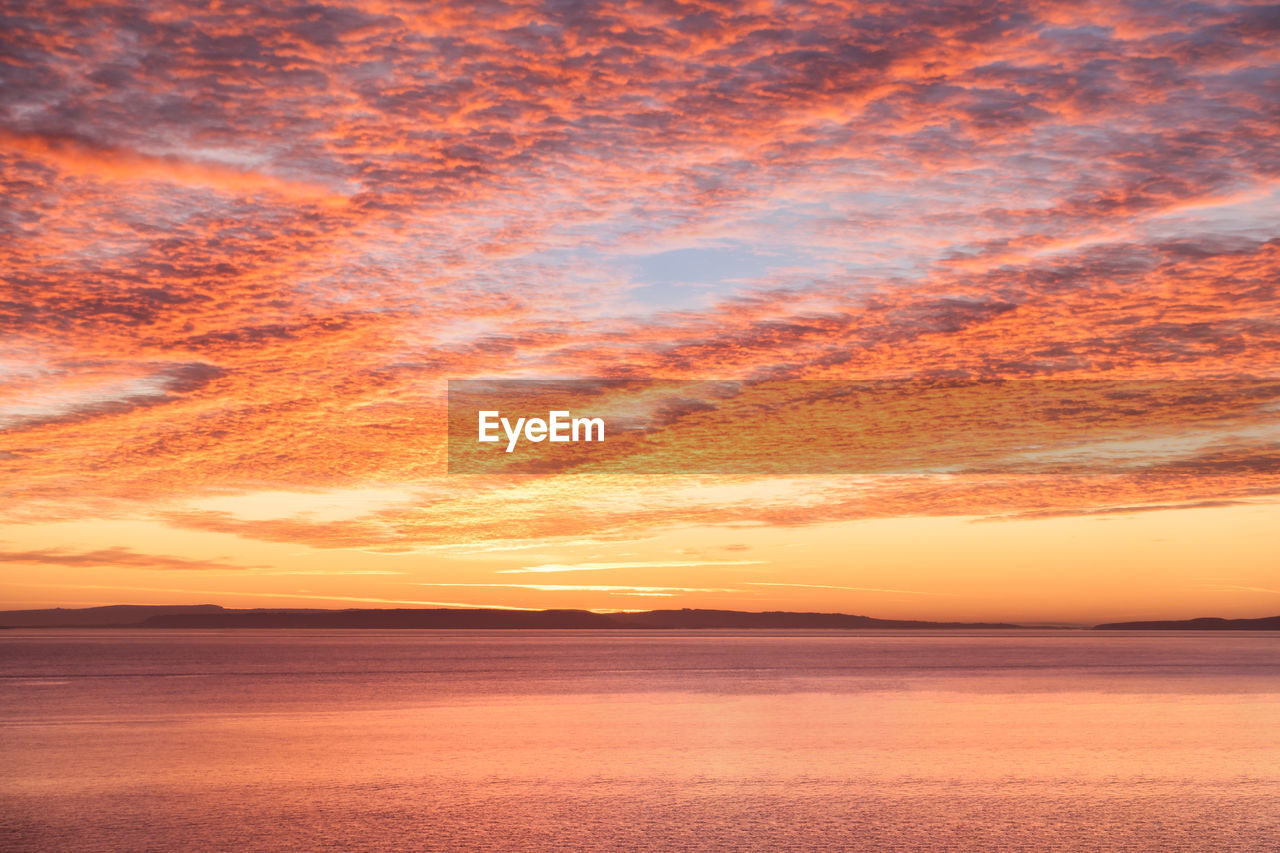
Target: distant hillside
[[777, 619], [111, 616], [1267, 623], [370, 618], [213, 616]]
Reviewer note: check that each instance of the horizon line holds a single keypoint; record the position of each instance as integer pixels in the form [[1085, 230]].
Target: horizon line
[[1001, 623]]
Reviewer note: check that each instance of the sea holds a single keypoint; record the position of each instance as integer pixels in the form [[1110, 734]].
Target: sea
[[408, 740]]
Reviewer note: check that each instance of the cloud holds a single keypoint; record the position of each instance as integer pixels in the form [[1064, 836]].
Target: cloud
[[114, 558], [551, 587], [651, 564], [286, 595], [1218, 587], [77, 157], [848, 588], [88, 392], [243, 254], [1119, 510]]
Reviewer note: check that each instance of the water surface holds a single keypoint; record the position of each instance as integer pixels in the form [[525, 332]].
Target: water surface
[[647, 740]]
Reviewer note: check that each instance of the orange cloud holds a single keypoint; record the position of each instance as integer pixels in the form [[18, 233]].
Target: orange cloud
[[243, 251]]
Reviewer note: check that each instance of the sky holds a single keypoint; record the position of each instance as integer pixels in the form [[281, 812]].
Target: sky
[[244, 248]]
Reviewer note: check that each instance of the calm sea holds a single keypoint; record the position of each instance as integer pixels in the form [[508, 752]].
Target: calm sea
[[435, 740]]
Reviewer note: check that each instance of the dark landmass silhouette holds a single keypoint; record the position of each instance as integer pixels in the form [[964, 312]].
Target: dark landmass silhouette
[[777, 619], [373, 618], [214, 616], [111, 616], [1267, 623]]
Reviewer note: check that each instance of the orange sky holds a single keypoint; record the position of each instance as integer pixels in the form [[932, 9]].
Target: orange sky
[[244, 249]]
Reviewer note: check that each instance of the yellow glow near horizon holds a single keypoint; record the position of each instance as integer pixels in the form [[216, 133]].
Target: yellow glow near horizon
[[1167, 564]]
